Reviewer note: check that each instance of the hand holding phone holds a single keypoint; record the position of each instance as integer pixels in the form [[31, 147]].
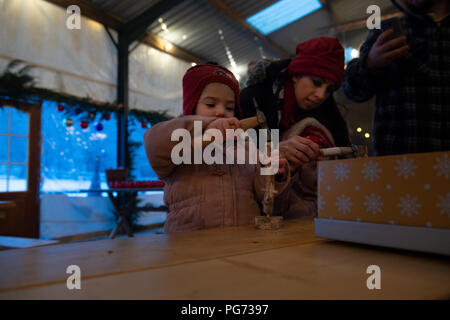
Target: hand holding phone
[[393, 24], [390, 45]]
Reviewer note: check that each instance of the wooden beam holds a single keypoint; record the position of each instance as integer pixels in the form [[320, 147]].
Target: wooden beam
[[138, 25], [160, 44], [114, 22], [240, 21], [326, 6], [92, 12], [358, 24]]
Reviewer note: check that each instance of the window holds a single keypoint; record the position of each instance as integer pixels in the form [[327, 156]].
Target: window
[[14, 128], [142, 169], [74, 158], [282, 13]]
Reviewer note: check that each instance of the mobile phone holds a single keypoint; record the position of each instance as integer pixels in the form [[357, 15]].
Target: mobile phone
[[395, 25]]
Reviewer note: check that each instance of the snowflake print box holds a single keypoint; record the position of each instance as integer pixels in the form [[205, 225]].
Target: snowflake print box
[[396, 201]]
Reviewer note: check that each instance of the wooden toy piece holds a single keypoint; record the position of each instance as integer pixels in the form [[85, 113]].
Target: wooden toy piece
[[244, 124], [358, 151], [268, 223]]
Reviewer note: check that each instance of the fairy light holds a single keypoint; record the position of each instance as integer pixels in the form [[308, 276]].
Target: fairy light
[[168, 46]]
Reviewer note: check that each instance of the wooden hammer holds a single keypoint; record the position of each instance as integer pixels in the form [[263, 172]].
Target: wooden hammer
[[356, 150], [244, 124]]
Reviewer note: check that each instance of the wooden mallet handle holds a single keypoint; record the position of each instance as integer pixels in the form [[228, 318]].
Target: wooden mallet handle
[[244, 124]]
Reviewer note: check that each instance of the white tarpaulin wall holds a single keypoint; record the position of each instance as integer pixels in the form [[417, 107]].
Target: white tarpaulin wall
[[84, 62]]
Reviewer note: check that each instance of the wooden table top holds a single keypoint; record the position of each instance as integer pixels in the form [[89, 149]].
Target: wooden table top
[[229, 263]]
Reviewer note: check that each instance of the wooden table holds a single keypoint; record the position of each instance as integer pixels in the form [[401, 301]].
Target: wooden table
[[122, 213], [229, 263]]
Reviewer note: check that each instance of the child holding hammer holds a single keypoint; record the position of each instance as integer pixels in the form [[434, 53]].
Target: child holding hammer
[[200, 195]]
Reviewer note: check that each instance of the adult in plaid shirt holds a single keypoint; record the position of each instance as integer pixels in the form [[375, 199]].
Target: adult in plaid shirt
[[410, 76]]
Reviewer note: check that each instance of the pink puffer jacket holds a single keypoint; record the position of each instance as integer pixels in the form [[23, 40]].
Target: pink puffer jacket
[[200, 195]]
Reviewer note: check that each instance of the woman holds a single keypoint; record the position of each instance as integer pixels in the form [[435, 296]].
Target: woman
[[296, 97]]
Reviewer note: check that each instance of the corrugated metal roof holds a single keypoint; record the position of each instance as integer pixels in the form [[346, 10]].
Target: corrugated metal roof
[[199, 22], [249, 7], [125, 9]]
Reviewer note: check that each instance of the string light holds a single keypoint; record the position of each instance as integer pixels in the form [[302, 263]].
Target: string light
[[367, 135], [358, 130]]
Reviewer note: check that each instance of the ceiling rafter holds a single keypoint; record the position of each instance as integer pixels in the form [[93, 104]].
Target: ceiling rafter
[[357, 24], [241, 22], [112, 21]]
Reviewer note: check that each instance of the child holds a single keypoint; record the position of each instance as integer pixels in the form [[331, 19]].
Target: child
[[200, 195]]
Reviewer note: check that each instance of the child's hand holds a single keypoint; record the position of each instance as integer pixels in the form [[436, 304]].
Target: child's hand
[[222, 124]]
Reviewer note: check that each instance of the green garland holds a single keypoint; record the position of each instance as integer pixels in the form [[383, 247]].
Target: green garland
[[18, 85]]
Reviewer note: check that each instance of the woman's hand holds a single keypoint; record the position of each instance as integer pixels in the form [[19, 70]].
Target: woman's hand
[[222, 124], [298, 151]]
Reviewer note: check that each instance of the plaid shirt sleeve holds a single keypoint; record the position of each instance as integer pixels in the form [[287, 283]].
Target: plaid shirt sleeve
[[361, 83]]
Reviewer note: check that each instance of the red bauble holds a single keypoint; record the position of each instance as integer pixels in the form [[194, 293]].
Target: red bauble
[[84, 124], [60, 108], [99, 127], [144, 124], [108, 116]]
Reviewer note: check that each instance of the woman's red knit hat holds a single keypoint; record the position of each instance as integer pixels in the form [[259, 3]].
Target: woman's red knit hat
[[321, 57], [198, 77]]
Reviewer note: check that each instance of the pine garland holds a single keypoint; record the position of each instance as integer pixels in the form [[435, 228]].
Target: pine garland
[[18, 85]]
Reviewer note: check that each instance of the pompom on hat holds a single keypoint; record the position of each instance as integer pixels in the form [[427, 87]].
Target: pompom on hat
[[198, 77], [321, 57]]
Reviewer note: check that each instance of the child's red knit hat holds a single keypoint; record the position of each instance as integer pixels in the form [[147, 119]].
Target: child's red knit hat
[[198, 77], [321, 57]]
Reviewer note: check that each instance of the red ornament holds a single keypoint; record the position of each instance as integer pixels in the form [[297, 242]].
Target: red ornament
[[60, 108], [99, 127], [84, 124], [108, 116], [144, 124]]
